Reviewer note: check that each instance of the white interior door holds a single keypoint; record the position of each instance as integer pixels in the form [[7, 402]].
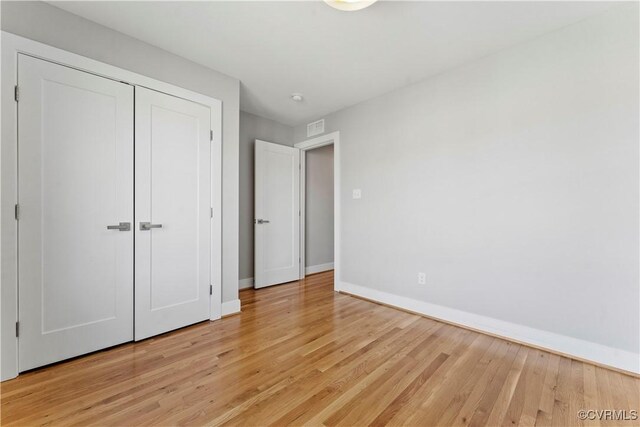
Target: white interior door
[[173, 212], [277, 214], [75, 179]]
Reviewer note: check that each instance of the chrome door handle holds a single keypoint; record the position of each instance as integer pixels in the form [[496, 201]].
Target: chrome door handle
[[123, 226], [262, 221], [144, 226]]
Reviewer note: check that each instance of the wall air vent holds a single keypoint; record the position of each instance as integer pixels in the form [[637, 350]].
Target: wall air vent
[[315, 128]]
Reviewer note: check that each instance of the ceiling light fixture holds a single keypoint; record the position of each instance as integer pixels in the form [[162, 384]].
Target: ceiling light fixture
[[349, 5], [297, 97]]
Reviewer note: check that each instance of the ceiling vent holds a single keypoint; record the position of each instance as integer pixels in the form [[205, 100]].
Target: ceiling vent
[[315, 128]]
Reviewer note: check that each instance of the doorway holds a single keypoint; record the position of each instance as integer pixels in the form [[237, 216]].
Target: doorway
[[320, 206], [92, 272], [280, 216], [317, 204]]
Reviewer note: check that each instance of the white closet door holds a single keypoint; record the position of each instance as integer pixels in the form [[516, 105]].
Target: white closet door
[[277, 214], [173, 223], [75, 163]]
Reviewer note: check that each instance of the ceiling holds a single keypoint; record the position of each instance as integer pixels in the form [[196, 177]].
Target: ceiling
[[334, 58]]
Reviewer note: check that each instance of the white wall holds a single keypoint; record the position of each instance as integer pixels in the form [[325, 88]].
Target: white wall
[[253, 127], [512, 182], [319, 206], [50, 25]]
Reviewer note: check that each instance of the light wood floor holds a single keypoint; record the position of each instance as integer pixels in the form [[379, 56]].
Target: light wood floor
[[301, 354]]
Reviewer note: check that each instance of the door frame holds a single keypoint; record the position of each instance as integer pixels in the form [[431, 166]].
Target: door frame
[[10, 48], [304, 146]]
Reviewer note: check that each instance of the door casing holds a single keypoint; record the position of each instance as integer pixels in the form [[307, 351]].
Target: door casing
[[12, 45], [304, 146]]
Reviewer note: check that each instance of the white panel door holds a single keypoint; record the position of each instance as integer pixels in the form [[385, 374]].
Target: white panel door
[[277, 214], [173, 205], [75, 179]]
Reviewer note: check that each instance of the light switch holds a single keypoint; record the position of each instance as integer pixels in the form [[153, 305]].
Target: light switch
[[357, 193]]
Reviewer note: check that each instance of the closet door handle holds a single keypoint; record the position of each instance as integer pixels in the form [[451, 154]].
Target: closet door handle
[[123, 226], [145, 226]]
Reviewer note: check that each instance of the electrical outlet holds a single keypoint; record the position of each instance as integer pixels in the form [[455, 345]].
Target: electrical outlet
[[357, 193], [422, 278]]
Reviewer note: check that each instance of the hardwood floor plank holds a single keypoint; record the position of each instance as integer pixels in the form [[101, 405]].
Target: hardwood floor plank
[[561, 414], [533, 388], [503, 400], [484, 408], [357, 368], [475, 390], [392, 409], [464, 360], [547, 397], [301, 354]]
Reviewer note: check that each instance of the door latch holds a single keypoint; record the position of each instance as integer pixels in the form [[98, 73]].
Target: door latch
[[145, 226], [123, 226]]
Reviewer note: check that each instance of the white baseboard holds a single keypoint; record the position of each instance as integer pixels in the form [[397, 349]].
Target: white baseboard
[[231, 307], [572, 347], [312, 269], [245, 283]]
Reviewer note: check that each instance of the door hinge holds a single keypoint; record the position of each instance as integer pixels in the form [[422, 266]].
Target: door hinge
[[16, 93], [17, 329], [210, 289], [211, 212], [16, 211], [211, 135]]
